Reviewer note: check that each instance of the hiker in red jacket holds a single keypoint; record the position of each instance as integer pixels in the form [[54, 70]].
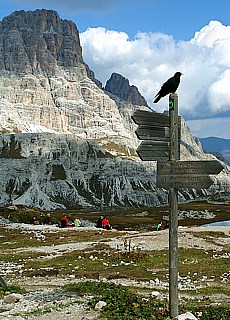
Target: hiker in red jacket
[[105, 224], [64, 221]]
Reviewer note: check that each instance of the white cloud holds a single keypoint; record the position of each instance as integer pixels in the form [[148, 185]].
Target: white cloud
[[219, 92], [150, 59], [212, 34]]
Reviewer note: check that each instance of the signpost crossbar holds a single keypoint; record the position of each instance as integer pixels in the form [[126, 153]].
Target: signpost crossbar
[[189, 167]]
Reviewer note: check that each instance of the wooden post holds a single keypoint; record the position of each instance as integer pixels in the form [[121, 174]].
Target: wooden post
[[173, 214]]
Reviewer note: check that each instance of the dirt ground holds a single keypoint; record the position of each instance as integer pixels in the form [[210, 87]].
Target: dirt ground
[[153, 240]]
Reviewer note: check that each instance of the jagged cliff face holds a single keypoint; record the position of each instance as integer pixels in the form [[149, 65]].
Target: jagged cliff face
[[119, 86], [38, 42], [65, 141], [63, 170]]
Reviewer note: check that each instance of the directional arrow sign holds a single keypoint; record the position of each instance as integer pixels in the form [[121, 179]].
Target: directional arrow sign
[[184, 181], [153, 125], [153, 151], [147, 132], [151, 118], [189, 167]]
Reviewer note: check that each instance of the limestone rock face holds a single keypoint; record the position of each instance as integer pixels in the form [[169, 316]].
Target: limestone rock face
[[120, 87], [55, 170], [66, 142], [37, 41]]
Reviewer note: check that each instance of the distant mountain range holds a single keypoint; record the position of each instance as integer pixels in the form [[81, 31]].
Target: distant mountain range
[[217, 145]]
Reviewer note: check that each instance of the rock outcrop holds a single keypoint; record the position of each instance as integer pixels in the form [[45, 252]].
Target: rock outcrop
[[120, 87], [39, 42]]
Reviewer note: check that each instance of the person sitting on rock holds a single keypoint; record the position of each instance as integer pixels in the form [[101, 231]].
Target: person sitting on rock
[[105, 224], [99, 222], [64, 221], [77, 222], [34, 221], [47, 219], [166, 225], [159, 226]]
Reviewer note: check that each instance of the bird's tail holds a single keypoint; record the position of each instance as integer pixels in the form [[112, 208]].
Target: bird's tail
[[157, 99]]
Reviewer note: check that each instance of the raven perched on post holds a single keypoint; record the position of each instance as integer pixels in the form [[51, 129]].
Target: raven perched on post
[[170, 86]]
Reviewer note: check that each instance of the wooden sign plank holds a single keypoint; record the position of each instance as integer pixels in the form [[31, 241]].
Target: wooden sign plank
[[147, 132], [153, 151], [189, 167], [151, 118], [184, 181]]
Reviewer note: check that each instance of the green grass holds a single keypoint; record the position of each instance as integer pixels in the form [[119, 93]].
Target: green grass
[[125, 303], [11, 289], [201, 264], [122, 303], [210, 295], [93, 264], [16, 238], [104, 262]]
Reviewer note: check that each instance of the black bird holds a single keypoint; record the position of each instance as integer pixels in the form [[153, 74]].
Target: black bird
[[170, 86]]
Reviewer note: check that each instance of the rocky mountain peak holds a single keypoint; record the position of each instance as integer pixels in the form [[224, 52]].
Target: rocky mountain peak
[[40, 42], [120, 87], [37, 41]]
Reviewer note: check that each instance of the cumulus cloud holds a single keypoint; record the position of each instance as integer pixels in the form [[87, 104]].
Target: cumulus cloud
[[219, 97], [150, 59]]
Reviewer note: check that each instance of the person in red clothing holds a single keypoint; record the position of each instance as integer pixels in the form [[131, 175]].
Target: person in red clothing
[[105, 224], [64, 221]]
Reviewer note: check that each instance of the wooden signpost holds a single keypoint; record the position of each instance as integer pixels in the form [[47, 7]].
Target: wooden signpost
[[161, 135], [189, 167], [153, 150], [154, 129], [184, 181], [187, 174], [151, 118], [173, 212]]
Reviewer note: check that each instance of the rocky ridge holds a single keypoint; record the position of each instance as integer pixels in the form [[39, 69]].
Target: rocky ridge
[[65, 141], [120, 87]]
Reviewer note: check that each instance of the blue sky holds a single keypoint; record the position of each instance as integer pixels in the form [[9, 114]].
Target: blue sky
[[179, 18], [147, 41]]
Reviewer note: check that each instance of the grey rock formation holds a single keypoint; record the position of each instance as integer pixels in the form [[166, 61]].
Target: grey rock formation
[[120, 87], [65, 141], [55, 171], [38, 42]]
